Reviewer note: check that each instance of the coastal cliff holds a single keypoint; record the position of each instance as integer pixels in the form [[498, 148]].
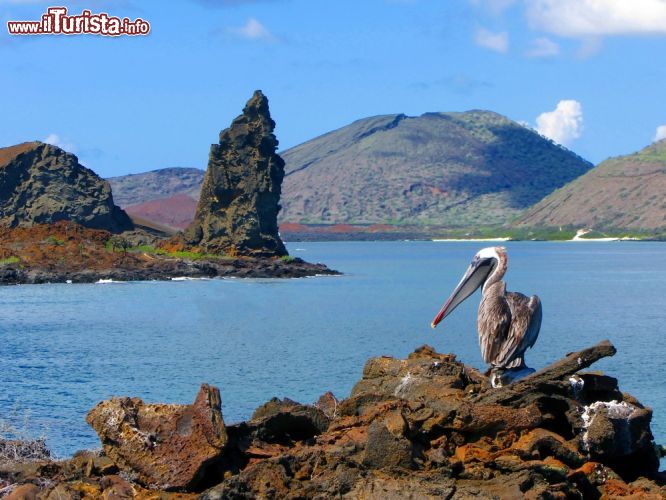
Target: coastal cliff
[[423, 427]]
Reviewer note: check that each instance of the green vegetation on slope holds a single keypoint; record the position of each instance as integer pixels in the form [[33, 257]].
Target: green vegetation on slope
[[468, 169], [120, 245], [621, 194]]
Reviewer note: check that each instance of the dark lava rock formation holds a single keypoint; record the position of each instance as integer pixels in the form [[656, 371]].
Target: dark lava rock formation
[[240, 195], [41, 183], [423, 427]]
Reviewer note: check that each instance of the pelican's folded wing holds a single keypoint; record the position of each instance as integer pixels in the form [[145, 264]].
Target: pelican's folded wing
[[494, 322], [524, 330]]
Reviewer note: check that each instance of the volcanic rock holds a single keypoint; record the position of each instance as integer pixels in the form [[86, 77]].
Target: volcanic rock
[[430, 427], [66, 251], [163, 446], [41, 183], [423, 427], [620, 432], [239, 202], [387, 446], [282, 421]]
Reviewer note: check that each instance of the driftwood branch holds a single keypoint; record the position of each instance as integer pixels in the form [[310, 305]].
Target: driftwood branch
[[552, 374]]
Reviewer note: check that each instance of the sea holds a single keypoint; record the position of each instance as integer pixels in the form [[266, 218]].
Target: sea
[[65, 347]]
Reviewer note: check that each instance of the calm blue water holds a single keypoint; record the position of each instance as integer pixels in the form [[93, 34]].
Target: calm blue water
[[63, 348]]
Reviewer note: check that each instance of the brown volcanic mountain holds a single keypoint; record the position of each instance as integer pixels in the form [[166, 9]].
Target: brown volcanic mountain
[[449, 169], [176, 211], [453, 169], [41, 183], [135, 189], [166, 196], [626, 192]]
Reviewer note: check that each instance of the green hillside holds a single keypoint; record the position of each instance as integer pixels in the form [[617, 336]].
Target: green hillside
[[622, 193], [453, 169]]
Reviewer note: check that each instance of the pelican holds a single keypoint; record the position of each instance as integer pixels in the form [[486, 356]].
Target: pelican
[[508, 322]]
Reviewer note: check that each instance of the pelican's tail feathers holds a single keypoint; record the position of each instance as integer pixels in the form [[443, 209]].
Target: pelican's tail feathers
[[518, 362]]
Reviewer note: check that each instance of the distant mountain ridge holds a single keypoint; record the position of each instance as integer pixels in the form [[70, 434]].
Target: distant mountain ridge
[[166, 196], [453, 169], [626, 192], [134, 189]]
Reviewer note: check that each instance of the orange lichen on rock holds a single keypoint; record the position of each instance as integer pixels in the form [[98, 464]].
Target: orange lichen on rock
[[63, 244], [164, 446], [395, 437]]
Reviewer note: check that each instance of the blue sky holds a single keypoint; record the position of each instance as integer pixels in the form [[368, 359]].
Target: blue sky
[[588, 73]]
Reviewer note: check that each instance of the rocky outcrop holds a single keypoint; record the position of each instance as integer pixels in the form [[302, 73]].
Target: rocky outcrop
[[67, 252], [430, 427], [239, 201], [41, 183], [287, 420], [162, 446], [423, 427]]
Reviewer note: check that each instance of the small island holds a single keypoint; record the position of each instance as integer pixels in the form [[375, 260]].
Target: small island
[[59, 224]]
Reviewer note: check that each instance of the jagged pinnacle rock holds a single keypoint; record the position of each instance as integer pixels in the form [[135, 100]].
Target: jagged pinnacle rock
[[239, 203]]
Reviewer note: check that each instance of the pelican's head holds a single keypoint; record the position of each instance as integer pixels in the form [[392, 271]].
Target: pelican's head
[[483, 264]]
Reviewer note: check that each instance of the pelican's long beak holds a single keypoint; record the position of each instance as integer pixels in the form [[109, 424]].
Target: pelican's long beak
[[442, 312], [473, 278]]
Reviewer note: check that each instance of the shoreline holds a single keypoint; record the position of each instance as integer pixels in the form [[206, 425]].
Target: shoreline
[[472, 240], [167, 270]]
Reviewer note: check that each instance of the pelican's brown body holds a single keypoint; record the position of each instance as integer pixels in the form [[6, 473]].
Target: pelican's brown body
[[508, 322]]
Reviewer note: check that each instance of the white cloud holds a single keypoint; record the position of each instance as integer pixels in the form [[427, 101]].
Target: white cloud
[[55, 140], [597, 18], [564, 124], [253, 30], [543, 47], [499, 42], [660, 134]]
